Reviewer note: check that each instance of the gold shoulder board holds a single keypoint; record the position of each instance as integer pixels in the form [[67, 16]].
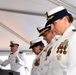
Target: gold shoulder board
[[20, 52], [74, 30]]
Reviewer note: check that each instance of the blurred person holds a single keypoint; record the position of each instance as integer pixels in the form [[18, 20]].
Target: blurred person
[[64, 50], [37, 46], [17, 59], [48, 35]]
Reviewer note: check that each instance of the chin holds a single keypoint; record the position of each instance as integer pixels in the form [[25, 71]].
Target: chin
[[48, 42]]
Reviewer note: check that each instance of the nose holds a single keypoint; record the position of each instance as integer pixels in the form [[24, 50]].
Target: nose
[[43, 38]]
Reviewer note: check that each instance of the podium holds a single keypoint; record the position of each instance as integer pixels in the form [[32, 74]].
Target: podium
[[8, 72]]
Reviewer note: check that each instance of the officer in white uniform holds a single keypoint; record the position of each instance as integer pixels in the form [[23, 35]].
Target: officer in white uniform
[[64, 50], [45, 59], [37, 46], [16, 59]]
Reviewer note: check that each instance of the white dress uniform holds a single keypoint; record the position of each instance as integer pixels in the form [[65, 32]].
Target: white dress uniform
[[17, 62], [42, 62], [64, 54], [45, 64], [35, 68]]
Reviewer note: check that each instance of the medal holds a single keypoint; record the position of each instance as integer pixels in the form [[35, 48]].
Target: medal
[[16, 61], [57, 51], [58, 56], [36, 63], [64, 52], [60, 51]]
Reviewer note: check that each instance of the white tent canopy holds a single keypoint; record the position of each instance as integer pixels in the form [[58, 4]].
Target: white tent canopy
[[19, 19]]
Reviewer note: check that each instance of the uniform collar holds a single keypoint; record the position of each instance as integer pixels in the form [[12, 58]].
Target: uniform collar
[[16, 52], [68, 30], [53, 40]]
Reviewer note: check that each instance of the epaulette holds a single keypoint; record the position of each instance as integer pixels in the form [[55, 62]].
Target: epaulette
[[21, 52], [74, 30], [11, 53]]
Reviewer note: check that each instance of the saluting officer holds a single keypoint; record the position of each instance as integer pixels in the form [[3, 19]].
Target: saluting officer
[[16, 59], [37, 46], [64, 50], [48, 35]]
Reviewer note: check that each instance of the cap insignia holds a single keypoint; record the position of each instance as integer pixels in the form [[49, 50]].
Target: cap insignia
[[31, 43], [46, 14], [50, 18]]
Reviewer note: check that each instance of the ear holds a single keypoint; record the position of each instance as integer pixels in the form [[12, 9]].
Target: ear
[[17, 46], [41, 48], [65, 19]]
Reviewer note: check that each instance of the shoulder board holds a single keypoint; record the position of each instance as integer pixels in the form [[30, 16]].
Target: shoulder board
[[74, 30], [11, 53], [21, 52]]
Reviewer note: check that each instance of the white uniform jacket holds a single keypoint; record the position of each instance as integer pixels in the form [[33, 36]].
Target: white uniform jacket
[[35, 67], [42, 61], [64, 54], [17, 62]]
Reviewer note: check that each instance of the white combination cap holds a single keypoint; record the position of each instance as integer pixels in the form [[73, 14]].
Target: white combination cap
[[55, 14]]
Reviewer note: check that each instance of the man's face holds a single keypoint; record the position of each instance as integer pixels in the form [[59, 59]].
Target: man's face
[[14, 48], [36, 50], [49, 35]]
